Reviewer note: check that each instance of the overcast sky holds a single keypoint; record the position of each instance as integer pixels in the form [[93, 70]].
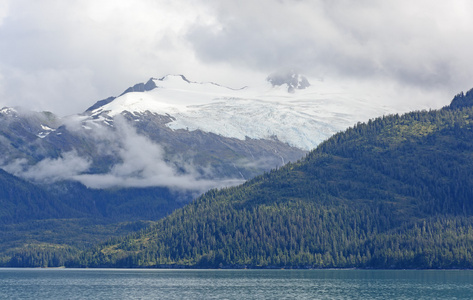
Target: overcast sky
[[62, 56]]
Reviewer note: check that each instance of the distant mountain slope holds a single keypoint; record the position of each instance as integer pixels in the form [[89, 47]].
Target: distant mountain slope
[[176, 135], [21, 200], [395, 192], [176, 130], [44, 227], [133, 159]]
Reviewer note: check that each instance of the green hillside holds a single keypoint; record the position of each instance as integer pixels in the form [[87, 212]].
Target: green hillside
[[396, 192], [47, 226]]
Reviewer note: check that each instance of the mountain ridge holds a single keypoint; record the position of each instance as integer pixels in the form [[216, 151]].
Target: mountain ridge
[[232, 113], [104, 175], [394, 192], [277, 124]]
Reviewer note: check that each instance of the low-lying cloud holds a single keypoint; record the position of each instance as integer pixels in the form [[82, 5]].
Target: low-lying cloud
[[142, 164], [50, 170]]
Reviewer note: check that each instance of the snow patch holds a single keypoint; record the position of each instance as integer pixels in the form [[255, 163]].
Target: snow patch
[[46, 132], [8, 111], [47, 128]]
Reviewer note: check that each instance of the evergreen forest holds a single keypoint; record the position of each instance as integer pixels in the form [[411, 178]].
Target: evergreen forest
[[395, 192]]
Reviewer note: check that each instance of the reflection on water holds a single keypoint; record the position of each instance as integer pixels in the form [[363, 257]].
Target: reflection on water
[[234, 284]]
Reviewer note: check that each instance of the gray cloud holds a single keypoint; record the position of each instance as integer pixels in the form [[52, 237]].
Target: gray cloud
[[420, 43], [63, 56]]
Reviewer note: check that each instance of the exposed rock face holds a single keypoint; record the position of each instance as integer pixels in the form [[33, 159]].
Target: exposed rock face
[[34, 137], [293, 80], [141, 87]]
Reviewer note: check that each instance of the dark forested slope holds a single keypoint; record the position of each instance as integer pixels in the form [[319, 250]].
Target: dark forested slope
[[46, 226], [396, 192], [21, 200]]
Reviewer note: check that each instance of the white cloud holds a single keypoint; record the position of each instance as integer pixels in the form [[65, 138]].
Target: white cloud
[[63, 56], [416, 43], [50, 170], [143, 164], [68, 55], [3, 10]]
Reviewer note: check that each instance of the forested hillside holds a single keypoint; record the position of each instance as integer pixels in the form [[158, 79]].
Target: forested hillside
[[46, 227], [396, 192]]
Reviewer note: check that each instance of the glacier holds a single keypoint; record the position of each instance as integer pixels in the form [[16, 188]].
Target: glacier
[[302, 118]]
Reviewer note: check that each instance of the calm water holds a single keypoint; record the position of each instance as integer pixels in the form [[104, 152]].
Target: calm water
[[233, 284]]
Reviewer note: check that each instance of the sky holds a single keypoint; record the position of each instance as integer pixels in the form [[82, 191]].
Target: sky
[[63, 56]]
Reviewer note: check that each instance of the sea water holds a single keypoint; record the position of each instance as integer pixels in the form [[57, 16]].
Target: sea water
[[234, 284]]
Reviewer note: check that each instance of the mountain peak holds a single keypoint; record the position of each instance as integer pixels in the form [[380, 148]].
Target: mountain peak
[[141, 87], [175, 76], [292, 79]]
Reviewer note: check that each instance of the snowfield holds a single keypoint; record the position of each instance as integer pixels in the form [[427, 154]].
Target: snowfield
[[302, 119]]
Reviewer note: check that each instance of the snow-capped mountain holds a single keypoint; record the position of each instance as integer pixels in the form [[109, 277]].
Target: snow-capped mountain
[[185, 135], [285, 107], [158, 145], [22, 133], [28, 124]]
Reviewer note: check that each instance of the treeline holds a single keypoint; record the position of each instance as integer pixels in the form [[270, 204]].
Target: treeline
[[67, 217], [44, 256], [22, 201], [54, 242], [395, 192], [296, 235]]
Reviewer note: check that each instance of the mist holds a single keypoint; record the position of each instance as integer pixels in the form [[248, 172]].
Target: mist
[[142, 163]]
